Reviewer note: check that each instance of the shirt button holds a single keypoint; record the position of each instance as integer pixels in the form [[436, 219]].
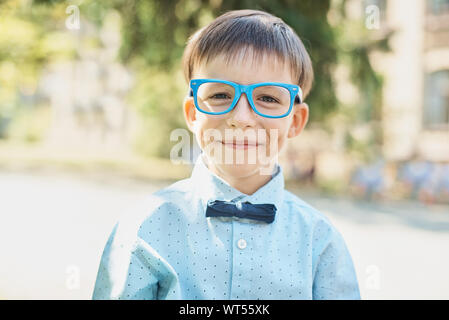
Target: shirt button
[[241, 244]]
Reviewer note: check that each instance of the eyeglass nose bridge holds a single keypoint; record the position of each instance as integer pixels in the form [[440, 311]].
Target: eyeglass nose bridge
[[239, 89], [243, 88]]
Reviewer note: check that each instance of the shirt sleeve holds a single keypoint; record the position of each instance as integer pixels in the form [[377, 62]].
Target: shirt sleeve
[[131, 269], [334, 277]]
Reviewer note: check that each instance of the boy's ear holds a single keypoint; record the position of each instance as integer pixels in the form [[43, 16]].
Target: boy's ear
[[189, 111], [299, 119]]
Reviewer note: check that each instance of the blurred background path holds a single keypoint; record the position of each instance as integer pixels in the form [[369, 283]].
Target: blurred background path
[[54, 225]]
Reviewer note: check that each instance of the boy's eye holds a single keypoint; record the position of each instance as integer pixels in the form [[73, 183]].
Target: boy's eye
[[220, 96], [269, 99]]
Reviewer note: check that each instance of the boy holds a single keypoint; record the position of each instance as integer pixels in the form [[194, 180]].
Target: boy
[[231, 230]]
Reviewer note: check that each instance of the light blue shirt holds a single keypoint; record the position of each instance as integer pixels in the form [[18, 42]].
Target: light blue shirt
[[166, 248]]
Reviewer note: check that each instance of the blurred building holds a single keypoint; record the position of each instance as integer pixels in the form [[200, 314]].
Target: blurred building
[[414, 121], [415, 110]]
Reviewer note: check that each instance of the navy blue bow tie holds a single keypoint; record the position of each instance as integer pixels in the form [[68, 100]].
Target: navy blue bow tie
[[262, 212]]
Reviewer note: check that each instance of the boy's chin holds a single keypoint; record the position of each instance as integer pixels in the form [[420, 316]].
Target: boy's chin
[[242, 170]]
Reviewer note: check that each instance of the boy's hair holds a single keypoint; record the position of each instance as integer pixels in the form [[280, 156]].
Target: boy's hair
[[239, 30]]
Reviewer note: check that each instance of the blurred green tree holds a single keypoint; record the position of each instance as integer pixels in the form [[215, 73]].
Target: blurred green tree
[[356, 43], [30, 36]]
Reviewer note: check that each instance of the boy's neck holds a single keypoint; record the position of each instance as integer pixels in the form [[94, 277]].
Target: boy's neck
[[247, 185]]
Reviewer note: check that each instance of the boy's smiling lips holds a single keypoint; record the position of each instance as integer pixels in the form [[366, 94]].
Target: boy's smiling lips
[[243, 141], [241, 144]]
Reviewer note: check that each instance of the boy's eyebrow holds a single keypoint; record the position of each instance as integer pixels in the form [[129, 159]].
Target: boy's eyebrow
[[219, 78]]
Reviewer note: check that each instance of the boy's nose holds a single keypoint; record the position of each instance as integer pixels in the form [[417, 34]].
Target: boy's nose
[[242, 114]]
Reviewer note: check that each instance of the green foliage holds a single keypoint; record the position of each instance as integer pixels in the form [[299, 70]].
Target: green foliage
[[157, 96], [30, 125], [356, 43], [30, 37]]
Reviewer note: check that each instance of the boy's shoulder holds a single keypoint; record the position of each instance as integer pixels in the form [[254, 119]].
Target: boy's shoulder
[[173, 195], [322, 228], [308, 212], [177, 188]]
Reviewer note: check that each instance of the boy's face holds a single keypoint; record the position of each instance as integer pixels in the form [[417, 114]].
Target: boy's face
[[269, 132]]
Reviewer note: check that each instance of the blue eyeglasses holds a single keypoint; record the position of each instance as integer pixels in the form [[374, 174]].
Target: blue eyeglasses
[[267, 99]]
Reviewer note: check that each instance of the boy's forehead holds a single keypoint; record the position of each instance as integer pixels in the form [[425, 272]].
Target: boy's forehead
[[246, 64]]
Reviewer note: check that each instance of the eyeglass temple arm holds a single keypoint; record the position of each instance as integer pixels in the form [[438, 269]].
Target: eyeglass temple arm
[[297, 100]]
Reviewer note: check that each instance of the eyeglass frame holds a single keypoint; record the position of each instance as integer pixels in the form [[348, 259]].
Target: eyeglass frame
[[295, 94]]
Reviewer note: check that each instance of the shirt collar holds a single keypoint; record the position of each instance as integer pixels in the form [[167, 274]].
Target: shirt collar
[[211, 186]]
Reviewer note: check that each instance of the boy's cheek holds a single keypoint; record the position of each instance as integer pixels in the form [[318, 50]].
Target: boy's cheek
[[277, 133]]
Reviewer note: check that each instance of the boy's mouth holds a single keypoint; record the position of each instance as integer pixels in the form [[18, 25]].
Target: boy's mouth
[[241, 144]]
